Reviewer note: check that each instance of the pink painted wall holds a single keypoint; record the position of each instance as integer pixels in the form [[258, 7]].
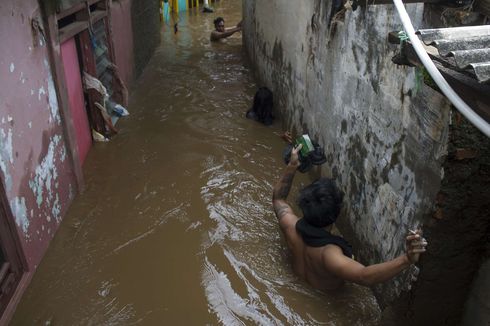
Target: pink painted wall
[[75, 94], [122, 33], [34, 161]]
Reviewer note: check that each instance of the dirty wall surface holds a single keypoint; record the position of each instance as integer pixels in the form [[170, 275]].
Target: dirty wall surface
[[384, 133], [145, 23], [176, 225], [121, 27], [34, 160]]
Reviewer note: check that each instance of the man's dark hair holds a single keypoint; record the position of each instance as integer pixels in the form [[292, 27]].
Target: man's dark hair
[[320, 202], [262, 109], [217, 21]]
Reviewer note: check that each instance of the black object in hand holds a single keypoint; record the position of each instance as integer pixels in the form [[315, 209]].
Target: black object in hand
[[316, 157]]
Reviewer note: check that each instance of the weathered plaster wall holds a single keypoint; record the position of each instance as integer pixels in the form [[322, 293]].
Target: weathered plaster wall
[[385, 134], [146, 31], [34, 161], [123, 44]]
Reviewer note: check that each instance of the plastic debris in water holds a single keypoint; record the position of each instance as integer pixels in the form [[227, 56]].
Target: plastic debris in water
[[98, 136]]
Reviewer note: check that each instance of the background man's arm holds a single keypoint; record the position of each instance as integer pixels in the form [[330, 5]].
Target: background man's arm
[[215, 35], [350, 270]]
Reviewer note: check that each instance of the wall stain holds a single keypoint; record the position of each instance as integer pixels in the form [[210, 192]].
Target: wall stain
[[343, 126]]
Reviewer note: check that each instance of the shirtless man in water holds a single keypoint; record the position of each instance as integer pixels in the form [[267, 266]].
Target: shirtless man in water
[[221, 32], [322, 259]]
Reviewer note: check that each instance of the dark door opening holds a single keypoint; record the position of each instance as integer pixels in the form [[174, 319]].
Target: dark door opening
[[12, 266]]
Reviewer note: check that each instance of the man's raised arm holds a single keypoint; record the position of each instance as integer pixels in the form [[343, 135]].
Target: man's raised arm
[[216, 35], [282, 188]]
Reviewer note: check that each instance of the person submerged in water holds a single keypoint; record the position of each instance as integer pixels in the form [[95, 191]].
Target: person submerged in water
[[221, 32], [322, 259], [262, 109]]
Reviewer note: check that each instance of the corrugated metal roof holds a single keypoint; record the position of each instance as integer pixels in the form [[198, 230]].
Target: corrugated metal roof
[[469, 45]]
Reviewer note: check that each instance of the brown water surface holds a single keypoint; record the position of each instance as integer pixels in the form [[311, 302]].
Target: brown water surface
[[176, 226]]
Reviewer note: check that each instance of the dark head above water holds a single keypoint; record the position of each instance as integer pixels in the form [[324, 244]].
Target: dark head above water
[[219, 24], [320, 202], [262, 109]]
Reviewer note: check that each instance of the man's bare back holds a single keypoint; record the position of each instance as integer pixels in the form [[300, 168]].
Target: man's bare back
[[306, 260], [326, 266]]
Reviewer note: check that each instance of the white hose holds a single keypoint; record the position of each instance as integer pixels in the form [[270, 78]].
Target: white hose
[[475, 119]]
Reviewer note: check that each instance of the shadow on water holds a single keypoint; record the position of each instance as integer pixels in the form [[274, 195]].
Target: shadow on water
[[176, 225]]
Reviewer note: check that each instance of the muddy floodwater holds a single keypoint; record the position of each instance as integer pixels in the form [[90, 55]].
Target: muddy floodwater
[[176, 226]]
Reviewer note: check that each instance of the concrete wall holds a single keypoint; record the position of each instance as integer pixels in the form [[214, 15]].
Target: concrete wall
[[34, 162], [146, 31], [478, 305], [385, 134]]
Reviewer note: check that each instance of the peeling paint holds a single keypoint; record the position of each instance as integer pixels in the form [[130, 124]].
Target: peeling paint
[[53, 100], [71, 194], [46, 173], [6, 155], [41, 92], [12, 67], [56, 210], [63, 154], [19, 210]]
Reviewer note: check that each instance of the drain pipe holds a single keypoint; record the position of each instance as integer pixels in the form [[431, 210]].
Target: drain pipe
[[462, 107]]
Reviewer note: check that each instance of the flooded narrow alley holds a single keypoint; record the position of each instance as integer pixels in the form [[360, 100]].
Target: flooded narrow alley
[[176, 226]]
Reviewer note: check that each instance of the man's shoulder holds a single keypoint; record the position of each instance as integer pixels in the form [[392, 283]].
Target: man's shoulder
[[332, 249], [332, 255]]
